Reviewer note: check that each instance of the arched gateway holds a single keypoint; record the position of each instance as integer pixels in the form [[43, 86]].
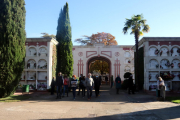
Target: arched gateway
[[119, 58]]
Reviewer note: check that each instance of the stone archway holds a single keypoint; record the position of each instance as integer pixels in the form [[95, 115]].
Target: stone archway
[[98, 58]]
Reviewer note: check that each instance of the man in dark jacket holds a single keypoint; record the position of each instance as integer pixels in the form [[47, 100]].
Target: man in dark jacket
[[118, 84], [59, 84], [80, 83], [131, 85], [97, 83]]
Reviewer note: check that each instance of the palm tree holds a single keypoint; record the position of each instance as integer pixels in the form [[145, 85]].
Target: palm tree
[[137, 25]]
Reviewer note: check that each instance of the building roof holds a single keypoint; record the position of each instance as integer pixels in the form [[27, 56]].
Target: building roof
[[156, 39], [42, 40]]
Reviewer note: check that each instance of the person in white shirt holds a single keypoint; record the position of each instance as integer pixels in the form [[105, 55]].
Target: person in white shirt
[[89, 85]]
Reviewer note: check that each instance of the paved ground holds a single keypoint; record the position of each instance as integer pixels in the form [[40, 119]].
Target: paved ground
[[108, 106]]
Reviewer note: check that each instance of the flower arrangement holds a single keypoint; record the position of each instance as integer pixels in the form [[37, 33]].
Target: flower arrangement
[[167, 52], [167, 64], [34, 65], [172, 75], [156, 52], [157, 65], [161, 67], [178, 76], [149, 76], [178, 50], [28, 65], [166, 75], [171, 51], [32, 86], [42, 86], [157, 76], [129, 61], [160, 52], [172, 65]]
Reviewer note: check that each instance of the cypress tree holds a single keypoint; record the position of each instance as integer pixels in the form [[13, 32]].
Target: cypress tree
[[12, 44], [64, 48]]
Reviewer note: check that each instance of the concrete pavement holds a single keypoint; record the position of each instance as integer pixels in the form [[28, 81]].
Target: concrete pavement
[[108, 106]]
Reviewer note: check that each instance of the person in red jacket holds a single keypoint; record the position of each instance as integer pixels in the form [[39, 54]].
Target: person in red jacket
[[66, 84]]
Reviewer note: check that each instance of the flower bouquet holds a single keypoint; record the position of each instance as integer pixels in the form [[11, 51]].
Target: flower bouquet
[[172, 65], [157, 65], [41, 86], [167, 52], [129, 61], [178, 76], [167, 64], [160, 52], [166, 75], [178, 50], [156, 52]]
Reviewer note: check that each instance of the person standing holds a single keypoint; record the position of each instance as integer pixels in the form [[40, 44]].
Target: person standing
[[118, 84], [80, 83], [131, 85], [89, 85], [52, 86], [74, 82], [111, 81], [106, 79], [66, 85], [161, 86], [83, 86], [59, 84], [97, 83]]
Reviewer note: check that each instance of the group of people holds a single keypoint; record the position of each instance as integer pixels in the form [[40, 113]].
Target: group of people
[[84, 83], [118, 84]]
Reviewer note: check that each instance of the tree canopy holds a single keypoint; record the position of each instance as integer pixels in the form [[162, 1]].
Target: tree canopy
[[137, 25], [46, 35], [103, 37], [12, 44], [65, 46], [99, 66]]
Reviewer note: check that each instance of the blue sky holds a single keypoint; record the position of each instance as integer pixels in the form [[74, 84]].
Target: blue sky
[[88, 17]]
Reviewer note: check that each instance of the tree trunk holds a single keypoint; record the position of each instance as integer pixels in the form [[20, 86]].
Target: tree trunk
[[137, 61]]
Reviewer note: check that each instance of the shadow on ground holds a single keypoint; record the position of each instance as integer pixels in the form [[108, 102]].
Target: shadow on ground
[[155, 114], [107, 94]]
